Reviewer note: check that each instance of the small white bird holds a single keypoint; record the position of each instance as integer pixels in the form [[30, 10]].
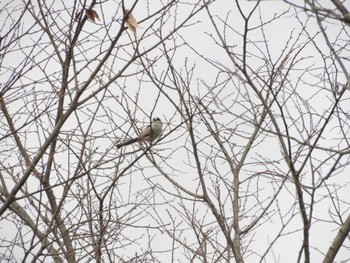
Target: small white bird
[[150, 133], [131, 21]]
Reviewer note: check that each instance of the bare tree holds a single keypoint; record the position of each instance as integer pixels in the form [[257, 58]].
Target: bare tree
[[253, 160]]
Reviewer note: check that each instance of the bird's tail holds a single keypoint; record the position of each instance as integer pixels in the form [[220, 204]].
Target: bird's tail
[[127, 142]]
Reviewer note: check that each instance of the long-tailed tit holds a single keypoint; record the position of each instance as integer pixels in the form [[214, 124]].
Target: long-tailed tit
[[150, 133]]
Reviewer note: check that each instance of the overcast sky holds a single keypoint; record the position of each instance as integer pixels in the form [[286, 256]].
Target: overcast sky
[[199, 37]]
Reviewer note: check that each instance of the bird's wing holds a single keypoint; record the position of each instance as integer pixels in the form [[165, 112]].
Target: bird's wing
[[145, 134]]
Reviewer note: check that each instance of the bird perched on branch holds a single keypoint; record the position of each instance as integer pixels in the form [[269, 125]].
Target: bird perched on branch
[[130, 21], [150, 133]]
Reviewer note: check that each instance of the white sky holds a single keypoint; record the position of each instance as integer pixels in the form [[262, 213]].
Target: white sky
[[198, 37]]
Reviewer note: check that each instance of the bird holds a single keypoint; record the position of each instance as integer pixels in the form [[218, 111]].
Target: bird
[[130, 21], [150, 133]]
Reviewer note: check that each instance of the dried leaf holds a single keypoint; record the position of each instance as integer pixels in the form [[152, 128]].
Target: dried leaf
[[95, 14], [77, 15], [131, 21], [91, 15]]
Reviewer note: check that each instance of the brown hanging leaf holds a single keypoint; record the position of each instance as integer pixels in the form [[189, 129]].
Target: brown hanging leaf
[[130, 21], [96, 15], [91, 15], [77, 15]]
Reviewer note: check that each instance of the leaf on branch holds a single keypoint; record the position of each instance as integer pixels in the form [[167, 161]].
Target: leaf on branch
[[77, 15], [130, 21], [92, 15]]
